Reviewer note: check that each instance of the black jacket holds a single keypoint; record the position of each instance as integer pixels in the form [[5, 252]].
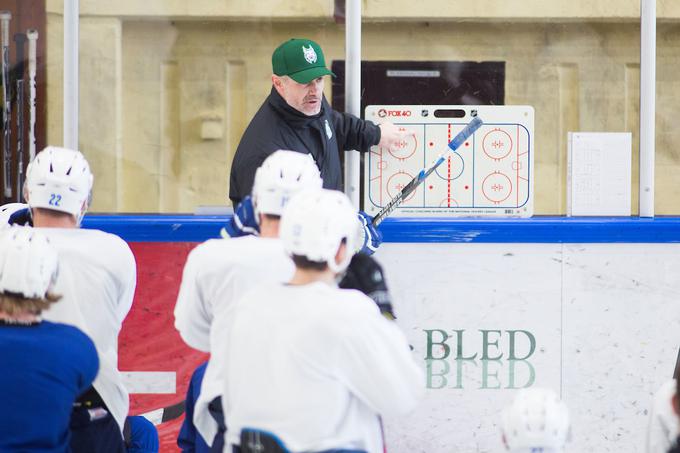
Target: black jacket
[[276, 125], [675, 448]]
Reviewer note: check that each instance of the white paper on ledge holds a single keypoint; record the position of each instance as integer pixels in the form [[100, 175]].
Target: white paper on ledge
[[599, 174]]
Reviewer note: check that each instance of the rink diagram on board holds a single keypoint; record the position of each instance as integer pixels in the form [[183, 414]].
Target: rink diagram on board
[[491, 174]]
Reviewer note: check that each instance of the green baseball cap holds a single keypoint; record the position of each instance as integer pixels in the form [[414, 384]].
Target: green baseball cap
[[300, 59]]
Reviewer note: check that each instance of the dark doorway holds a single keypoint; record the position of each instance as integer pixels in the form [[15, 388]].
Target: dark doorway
[[424, 82]]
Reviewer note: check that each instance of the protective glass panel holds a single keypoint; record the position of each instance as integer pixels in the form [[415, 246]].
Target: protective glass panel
[[167, 88]]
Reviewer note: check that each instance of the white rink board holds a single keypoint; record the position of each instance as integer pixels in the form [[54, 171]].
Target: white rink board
[[490, 175], [604, 320]]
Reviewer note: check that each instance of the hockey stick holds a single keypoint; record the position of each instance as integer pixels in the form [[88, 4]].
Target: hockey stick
[[5, 17], [425, 172], [165, 414], [20, 39], [32, 36]]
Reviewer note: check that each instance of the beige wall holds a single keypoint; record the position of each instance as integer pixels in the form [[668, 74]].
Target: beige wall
[[375, 9], [152, 83]]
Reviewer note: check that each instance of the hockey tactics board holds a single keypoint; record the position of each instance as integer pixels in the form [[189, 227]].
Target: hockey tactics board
[[491, 174]]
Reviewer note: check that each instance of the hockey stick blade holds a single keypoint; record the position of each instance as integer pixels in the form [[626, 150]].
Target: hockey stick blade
[[453, 145]]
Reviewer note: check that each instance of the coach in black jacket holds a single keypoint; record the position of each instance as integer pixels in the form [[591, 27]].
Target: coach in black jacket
[[296, 116]]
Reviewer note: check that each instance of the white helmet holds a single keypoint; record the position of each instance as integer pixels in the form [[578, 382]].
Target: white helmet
[[280, 176], [28, 263], [537, 419], [314, 224], [59, 179], [6, 211]]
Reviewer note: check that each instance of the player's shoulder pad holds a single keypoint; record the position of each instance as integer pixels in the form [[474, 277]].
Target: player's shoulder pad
[[224, 250], [356, 303], [69, 333], [110, 245], [15, 213], [114, 240], [349, 315]]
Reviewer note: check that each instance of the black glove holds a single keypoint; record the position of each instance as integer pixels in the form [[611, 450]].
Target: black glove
[[365, 274], [21, 217], [15, 214]]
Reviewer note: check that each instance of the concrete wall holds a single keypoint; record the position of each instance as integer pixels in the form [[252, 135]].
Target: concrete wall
[[375, 9], [153, 73]]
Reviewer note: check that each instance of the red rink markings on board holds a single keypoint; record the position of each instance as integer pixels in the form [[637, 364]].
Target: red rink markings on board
[[448, 178], [150, 382], [148, 344], [488, 167]]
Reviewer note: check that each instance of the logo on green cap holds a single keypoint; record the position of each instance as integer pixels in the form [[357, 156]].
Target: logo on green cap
[[302, 67], [309, 54]]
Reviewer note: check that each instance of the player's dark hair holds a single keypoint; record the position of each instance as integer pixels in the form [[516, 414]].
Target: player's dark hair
[[302, 262], [272, 216]]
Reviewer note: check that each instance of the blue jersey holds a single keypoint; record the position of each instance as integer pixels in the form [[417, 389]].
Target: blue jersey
[[44, 367], [143, 435]]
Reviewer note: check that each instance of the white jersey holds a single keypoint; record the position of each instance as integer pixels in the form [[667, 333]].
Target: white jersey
[[217, 273], [316, 365], [664, 424], [97, 279]]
